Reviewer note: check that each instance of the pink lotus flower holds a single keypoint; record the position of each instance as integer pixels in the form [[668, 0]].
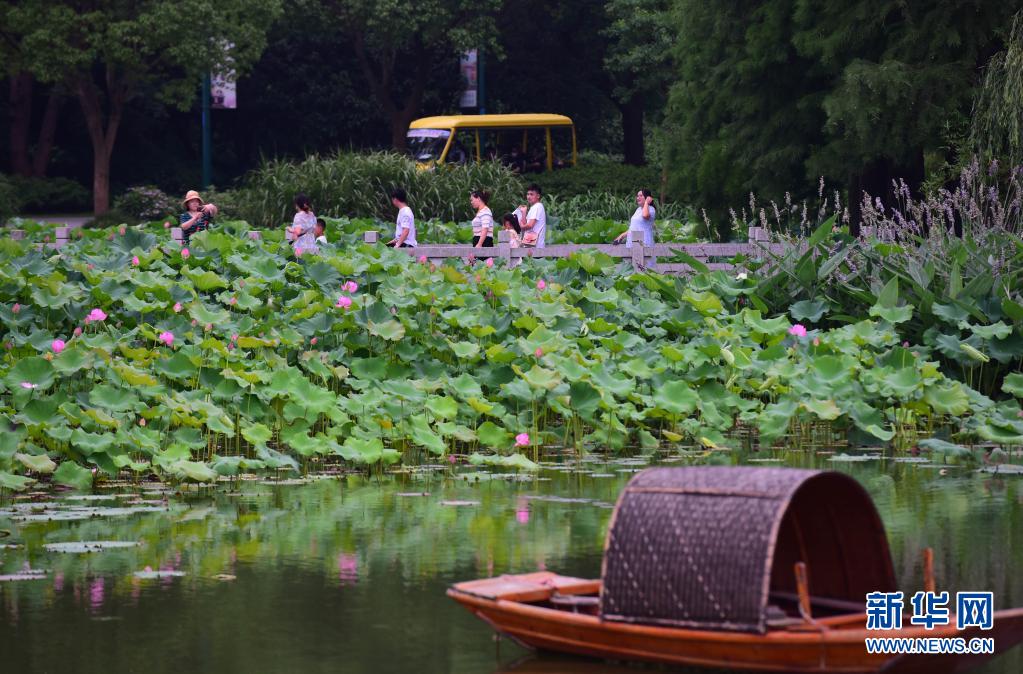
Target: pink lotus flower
[[77, 332], [29, 385], [234, 301], [799, 330], [343, 302], [541, 284], [142, 422], [167, 338], [209, 326], [97, 315], [313, 341], [422, 259], [522, 516], [490, 262], [16, 308], [166, 225], [452, 458], [522, 440], [185, 253], [234, 337], [177, 307], [538, 353], [194, 322], [905, 345], [135, 261], [58, 345], [816, 341], [90, 266], [350, 286], [122, 230]]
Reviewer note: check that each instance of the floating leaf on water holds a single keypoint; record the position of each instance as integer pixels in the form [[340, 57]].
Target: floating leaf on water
[[459, 503], [413, 493], [1003, 469], [93, 497], [151, 575], [80, 547], [23, 575], [601, 474], [224, 576], [854, 458]]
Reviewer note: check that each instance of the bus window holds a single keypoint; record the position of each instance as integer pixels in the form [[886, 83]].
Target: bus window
[[426, 145]]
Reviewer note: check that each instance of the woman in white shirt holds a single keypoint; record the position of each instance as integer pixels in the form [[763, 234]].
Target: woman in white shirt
[[642, 219], [483, 223], [303, 224]]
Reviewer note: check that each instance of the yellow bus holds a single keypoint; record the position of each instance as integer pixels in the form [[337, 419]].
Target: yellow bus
[[460, 138]]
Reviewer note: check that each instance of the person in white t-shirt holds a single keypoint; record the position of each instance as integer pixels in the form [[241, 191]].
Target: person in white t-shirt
[[405, 225], [533, 220], [642, 220]]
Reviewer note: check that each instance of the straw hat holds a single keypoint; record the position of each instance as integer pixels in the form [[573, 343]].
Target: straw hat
[[191, 194]]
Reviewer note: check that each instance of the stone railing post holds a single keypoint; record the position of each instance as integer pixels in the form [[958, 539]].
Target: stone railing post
[[255, 235], [638, 255], [62, 236], [758, 234], [372, 236], [176, 235], [504, 246]]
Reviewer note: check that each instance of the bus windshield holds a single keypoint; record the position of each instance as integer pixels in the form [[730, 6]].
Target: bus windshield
[[427, 144]]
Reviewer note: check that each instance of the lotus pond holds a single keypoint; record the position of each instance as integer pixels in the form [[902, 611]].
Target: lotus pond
[[127, 357], [348, 573]]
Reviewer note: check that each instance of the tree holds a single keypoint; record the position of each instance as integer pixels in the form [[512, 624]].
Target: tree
[[398, 42], [742, 112], [770, 95], [998, 109], [108, 52], [638, 61], [900, 72]]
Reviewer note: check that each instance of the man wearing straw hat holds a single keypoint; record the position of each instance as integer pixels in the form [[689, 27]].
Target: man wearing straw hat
[[197, 216]]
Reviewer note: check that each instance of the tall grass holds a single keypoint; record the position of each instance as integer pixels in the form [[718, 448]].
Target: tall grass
[[357, 185]]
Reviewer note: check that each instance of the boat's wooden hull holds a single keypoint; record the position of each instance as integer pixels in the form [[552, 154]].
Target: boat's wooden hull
[[802, 648]]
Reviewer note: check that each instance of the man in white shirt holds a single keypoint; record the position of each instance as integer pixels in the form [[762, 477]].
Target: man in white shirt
[[534, 220], [405, 225]]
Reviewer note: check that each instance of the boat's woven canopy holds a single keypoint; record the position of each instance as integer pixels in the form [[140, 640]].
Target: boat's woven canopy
[[704, 547]]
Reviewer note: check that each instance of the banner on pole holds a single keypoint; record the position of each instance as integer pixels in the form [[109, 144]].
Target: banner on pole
[[468, 67], [223, 92]]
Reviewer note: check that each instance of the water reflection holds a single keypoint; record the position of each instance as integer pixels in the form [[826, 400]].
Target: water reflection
[[350, 574]]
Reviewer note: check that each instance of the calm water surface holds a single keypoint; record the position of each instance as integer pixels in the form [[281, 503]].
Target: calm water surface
[[349, 575]]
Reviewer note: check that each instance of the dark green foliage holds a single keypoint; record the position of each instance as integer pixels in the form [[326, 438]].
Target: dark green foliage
[[50, 195], [610, 178]]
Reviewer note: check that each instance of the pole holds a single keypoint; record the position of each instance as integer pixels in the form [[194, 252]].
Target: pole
[[207, 160], [479, 83]]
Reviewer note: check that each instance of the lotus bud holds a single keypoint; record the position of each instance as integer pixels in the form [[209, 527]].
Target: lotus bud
[[135, 261], [166, 225], [177, 307], [816, 341], [313, 341], [77, 332], [142, 422], [541, 284], [538, 353], [490, 262], [522, 440], [122, 230], [185, 253], [422, 259], [234, 337], [234, 301], [57, 345], [194, 322], [209, 326], [16, 308]]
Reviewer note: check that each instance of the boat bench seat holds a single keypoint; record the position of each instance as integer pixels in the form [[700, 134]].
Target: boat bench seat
[[528, 587]]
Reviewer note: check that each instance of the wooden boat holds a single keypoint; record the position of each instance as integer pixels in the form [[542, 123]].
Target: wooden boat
[[759, 569]]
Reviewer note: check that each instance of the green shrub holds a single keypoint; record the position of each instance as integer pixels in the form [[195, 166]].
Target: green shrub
[[9, 202], [51, 195], [354, 184], [611, 178], [146, 202]]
